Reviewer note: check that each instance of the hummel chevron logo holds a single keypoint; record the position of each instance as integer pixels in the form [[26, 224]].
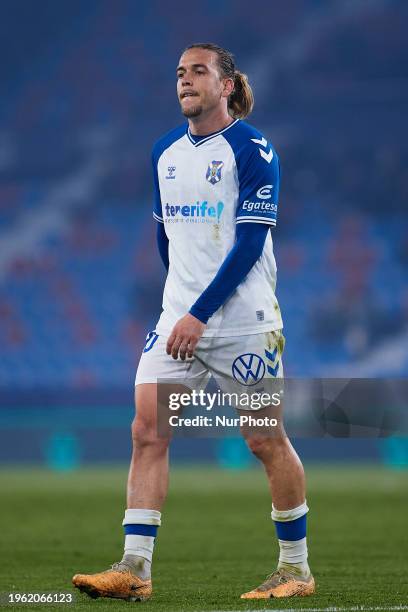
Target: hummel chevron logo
[[264, 143], [272, 369]]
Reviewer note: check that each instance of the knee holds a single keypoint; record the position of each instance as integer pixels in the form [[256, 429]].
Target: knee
[[145, 435], [265, 446], [258, 445]]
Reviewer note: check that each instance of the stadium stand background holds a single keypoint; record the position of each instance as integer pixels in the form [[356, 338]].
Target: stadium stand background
[[87, 87]]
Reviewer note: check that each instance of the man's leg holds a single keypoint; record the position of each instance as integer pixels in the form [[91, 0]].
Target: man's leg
[[284, 470], [149, 465], [256, 364], [286, 480], [146, 492], [147, 482]]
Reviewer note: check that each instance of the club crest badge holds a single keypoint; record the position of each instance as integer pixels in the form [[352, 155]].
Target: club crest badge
[[214, 172]]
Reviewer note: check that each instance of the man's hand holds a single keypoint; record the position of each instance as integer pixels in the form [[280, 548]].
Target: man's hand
[[184, 337]]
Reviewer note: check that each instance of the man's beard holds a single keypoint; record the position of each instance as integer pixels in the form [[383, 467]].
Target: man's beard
[[195, 111]]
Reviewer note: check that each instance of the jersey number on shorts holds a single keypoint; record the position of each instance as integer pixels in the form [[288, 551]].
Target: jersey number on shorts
[[150, 340]]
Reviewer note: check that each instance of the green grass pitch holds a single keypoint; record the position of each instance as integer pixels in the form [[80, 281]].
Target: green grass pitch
[[216, 539]]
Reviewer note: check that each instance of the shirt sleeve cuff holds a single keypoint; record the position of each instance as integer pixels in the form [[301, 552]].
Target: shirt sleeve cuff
[[253, 219], [198, 314]]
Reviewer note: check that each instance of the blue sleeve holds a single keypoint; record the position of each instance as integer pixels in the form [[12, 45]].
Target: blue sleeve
[[157, 206], [163, 244], [248, 247], [259, 177]]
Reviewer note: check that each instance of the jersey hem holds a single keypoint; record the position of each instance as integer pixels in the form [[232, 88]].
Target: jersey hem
[[215, 333]]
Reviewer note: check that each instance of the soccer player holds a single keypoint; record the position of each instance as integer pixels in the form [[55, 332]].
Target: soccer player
[[216, 181]]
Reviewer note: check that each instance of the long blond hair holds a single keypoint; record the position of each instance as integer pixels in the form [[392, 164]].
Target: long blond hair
[[241, 100]]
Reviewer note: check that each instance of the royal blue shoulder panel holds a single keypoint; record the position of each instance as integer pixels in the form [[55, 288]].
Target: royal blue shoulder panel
[[160, 146], [258, 174]]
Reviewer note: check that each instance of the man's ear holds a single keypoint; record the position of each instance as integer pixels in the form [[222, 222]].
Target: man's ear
[[228, 87]]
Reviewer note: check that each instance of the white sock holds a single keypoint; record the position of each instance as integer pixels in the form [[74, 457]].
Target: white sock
[[141, 544], [293, 553]]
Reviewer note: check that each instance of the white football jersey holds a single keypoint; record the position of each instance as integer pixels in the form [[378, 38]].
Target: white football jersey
[[204, 186]]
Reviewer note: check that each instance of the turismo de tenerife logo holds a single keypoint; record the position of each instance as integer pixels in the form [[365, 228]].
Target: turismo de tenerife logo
[[248, 367], [214, 172], [193, 213]]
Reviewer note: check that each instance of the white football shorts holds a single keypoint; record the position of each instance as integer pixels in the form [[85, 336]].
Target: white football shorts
[[235, 362]]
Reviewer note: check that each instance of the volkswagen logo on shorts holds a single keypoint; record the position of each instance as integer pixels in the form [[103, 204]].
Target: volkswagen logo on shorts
[[248, 369]]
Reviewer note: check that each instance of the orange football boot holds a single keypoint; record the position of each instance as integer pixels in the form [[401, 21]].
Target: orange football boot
[[119, 582], [282, 584]]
